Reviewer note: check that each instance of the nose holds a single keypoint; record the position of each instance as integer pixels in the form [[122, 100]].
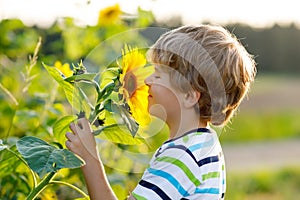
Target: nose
[[148, 81]]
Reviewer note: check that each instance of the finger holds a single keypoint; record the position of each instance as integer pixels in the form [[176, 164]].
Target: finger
[[74, 128], [68, 144], [70, 136], [84, 123]]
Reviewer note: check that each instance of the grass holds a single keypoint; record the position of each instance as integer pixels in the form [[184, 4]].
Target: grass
[[267, 185], [270, 113], [262, 127]]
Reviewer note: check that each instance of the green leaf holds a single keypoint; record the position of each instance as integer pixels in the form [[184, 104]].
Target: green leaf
[[85, 76], [108, 105], [2, 146], [131, 124], [9, 162], [145, 18], [14, 175], [61, 126], [107, 90], [44, 158], [118, 134], [73, 94], [83, 198], [126, 117], [109, 75]]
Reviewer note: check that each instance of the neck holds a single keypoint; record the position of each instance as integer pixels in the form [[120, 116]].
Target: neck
[[185, 124]]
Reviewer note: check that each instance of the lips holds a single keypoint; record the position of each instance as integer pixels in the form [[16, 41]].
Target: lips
[[149, 94], [149, 98]]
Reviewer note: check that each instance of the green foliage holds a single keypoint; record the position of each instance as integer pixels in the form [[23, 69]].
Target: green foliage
[[37, 102], [273, 184], [266, 126], [73, 94], [44, 158], [79, 101], [16, 39], [61, 126], [112, 133], [13, 174], [130, 123]]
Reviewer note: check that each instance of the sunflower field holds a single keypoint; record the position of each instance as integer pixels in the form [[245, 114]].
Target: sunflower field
[[49, 78]]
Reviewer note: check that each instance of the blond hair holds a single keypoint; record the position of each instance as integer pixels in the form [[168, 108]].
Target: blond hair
[[213, 62]]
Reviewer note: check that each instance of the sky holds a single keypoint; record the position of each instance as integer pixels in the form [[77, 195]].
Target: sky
[[257, 13]]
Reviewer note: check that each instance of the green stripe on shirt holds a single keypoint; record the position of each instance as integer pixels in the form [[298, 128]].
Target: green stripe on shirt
[[210, 175], [182, 166]]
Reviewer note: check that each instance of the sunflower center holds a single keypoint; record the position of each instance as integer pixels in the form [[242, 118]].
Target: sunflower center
[[110, 13], [130, 83]]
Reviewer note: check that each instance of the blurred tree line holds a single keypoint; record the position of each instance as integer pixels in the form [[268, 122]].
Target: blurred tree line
[[276, 48]]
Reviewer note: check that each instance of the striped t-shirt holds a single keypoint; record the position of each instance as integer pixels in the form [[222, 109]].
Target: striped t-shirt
[[188, 167]]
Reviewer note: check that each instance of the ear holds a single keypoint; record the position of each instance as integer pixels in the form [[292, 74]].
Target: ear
[[191, 98]]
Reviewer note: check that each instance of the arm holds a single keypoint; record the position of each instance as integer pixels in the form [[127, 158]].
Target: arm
[[82, 143]]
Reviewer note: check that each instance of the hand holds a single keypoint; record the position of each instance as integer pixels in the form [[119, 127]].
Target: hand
[[82, 141]]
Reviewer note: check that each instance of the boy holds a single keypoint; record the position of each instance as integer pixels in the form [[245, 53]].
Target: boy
[[202, 73]]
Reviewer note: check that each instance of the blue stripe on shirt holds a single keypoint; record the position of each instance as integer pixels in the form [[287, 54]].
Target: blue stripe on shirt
[[207, 190], [154, 188], [171, 179], [201, 145], [208, 160]]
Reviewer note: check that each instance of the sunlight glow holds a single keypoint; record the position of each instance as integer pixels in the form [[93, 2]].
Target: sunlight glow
[[255, 12]]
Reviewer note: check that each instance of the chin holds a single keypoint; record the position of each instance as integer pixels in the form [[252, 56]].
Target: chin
[[158, 111]]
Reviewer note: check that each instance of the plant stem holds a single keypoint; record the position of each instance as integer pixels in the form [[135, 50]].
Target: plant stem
[[41, 186], [98, 131], [71, 186], [11, 123], [94, 117], [9, 94], [97, 87]]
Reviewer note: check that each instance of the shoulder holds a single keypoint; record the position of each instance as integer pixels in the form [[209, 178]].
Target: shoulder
[[195, 153], [179, 167], [196, 145]]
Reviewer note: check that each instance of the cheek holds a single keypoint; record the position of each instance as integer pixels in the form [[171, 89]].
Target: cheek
[[162, 96], [163, 103]]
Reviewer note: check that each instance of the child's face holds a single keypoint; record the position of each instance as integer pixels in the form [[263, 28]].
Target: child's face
[[164, 101]]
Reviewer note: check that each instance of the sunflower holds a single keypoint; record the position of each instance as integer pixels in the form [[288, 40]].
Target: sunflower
[[64, 68], [109, 15], [133, 88]]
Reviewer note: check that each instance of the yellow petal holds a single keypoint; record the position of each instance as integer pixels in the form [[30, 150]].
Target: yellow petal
[[109, 15], [132, 59], [64, 68], [133, 87], [138, 104], [142, 73], [57, 64]]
